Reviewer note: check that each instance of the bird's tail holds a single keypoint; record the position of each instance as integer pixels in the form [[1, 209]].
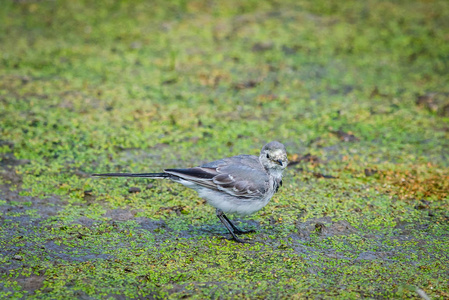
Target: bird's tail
[[145, 175]]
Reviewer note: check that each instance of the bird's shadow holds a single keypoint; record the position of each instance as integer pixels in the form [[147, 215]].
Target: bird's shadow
[[161, 229], [218, 228]]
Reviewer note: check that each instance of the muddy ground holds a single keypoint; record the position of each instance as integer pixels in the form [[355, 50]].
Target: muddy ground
[[356, 90]]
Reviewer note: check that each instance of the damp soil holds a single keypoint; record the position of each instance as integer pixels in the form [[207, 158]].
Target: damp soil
[[28, 225], [360, 104]]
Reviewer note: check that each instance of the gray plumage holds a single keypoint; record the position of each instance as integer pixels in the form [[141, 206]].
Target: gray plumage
[[241, 184]]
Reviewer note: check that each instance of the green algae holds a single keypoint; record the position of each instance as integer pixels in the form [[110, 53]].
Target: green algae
[[138, 86]]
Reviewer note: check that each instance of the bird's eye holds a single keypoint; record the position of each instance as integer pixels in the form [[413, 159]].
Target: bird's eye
[[268, 155]]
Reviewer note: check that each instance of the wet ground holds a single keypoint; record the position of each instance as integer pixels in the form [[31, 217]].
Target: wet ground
[[34, 240], [357, 91]]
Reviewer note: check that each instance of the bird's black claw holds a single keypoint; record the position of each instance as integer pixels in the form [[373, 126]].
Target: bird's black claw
[[243, 241], [244, 231]]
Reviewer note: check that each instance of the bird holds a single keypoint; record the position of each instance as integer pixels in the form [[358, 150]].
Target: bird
[[241, 184]]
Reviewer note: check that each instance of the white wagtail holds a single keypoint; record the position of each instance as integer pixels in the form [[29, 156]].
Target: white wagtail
[[241, 184]]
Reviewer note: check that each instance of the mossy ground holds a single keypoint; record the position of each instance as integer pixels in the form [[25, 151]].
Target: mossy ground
[[140, 86]]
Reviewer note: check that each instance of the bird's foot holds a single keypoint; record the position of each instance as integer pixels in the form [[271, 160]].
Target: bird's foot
[[242, 241], [238, 231]]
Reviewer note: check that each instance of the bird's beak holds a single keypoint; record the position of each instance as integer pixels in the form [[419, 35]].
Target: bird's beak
[[279, 162]]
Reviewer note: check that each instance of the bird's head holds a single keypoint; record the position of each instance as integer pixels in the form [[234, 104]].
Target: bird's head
[[273, 158]]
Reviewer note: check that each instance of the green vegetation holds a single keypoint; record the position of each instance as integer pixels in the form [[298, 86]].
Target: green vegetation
[[356, 90]]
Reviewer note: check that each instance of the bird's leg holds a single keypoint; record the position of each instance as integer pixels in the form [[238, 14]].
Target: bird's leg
[[228, 226], [236, 230]]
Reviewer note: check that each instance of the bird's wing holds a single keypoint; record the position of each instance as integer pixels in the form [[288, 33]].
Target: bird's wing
[[242, 181], [238, 180]]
